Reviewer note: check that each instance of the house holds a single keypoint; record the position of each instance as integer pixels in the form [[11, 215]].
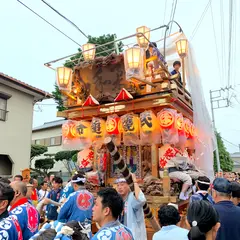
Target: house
[[50, 134], [236, 161], [17, 101]]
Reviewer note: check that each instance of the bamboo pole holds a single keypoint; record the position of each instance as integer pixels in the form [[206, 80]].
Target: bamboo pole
[[118, 160]]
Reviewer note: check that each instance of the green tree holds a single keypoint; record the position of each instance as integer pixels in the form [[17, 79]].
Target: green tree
[[68, 158], [37, 150], [43, 165], [101, 51], [226, 162]]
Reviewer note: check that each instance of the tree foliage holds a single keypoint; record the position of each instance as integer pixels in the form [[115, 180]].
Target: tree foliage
[[226, 162], [101, 51], [44, 164], [65, 155], [37, 150]]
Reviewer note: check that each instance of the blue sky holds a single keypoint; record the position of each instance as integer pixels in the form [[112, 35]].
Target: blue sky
[[27, 43]]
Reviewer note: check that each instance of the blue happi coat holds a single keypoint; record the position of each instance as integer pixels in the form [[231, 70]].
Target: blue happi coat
[[78, 207], [68, 189], [113, 231], [28, 218], [10, 229]]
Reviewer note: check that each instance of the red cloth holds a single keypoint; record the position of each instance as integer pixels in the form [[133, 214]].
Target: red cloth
[[18, 203], [34, 195]]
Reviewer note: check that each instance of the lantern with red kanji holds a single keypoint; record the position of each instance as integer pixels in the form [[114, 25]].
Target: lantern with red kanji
[[98, 131], [83, 129], [167, 118], [130, 125], [149, 128]]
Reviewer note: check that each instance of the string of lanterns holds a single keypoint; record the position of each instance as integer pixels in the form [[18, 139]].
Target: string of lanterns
[[167, 126]]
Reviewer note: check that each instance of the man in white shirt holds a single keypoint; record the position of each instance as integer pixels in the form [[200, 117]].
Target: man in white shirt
[[43, 192]]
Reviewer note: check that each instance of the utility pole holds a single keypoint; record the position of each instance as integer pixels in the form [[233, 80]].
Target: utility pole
[[218, 99]]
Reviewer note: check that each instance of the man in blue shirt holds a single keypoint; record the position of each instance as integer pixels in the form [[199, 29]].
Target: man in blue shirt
[[203, 184], [169, 217], [106, 211], [79, 204], [53, 198], [229, 213], [176, 66]]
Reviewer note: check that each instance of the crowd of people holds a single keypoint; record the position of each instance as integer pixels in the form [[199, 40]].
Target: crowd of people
[[56, 212]]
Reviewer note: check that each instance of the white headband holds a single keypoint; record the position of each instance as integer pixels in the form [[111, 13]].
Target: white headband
[[120, 180], [207, 183], [79, 180]]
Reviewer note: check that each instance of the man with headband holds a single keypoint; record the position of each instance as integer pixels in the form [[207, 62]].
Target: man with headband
[[132, 215], [79, 204], [203, 184]]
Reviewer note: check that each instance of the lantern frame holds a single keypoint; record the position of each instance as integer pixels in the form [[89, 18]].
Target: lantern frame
[[143, 40], [182, 47], [64, 78], [88, 51]]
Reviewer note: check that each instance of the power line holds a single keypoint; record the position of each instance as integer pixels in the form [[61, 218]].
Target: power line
[[66, 19], [164, 15], [230, 39], [223, 41], [48, 23], [172, 14], [215, 39], [200, 20], [229, 142]]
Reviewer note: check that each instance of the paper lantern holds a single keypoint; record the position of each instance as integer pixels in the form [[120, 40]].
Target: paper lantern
[[142, 41], [112, 124], [130, 124], [187, 126], [83, 129], [85, 158], [68, 130], [98, 128], [88, 51], [166, 118], [167, 122], [64, 79], [149, 128], [180, 122]]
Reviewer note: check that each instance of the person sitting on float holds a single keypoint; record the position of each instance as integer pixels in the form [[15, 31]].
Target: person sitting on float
[[177, 66]]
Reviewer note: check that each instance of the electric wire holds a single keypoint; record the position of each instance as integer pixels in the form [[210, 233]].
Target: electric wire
[[174, 7], [65, 18], [49, 23], [223, 42], [230, 142], [200, 20], [216, 45], [164, 15]]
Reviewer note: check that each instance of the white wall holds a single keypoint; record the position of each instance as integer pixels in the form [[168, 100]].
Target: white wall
[[15, 132], [48, 133]]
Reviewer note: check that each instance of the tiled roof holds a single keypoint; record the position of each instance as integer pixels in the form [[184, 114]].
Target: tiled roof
[[235, 155], [25, 85], [49, 125]]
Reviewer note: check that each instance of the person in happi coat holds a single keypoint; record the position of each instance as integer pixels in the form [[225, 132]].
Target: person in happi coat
[[35, 193], [52, 199], [79, 204], [133, 215], [106, 211], [26, 213], [9, 225]]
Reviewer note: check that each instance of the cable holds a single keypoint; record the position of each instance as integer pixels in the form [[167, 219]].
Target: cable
[[164, 15], [230, 40], [215, 39], [229, 142], [66, 19], [200, 20], [173, 15], [223, 42], [48, 22]]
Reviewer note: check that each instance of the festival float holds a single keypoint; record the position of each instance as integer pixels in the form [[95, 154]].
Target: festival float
[[127, 114]]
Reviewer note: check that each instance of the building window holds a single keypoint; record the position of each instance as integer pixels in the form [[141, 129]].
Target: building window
[[52, 141], [3, 109], [37, 142]]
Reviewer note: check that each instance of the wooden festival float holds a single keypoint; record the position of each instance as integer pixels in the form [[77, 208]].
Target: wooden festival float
[[136, 102]]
